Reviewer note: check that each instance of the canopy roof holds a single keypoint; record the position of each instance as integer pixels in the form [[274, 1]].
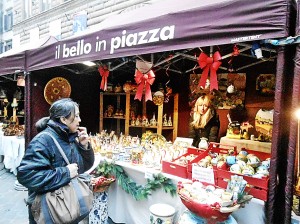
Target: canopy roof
[[13, 60], [169, 25]]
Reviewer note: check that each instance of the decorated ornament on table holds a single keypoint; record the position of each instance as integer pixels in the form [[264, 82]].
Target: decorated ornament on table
[[203, 144], [245, 130], [253, 160], [248, 170], [104, 73], [242, 156], [144, 77], [235, 168], [230, 89], [209, 65]]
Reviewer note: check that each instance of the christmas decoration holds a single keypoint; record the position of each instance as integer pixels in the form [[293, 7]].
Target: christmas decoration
[[138, 192]]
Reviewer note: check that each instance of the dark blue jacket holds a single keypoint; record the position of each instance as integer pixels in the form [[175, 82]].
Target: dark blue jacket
[[43, 169]]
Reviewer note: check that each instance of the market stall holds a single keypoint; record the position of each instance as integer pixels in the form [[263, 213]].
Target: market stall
[[174, 27]]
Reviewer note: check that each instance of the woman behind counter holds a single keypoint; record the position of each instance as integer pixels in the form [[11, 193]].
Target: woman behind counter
[[205, 121], [43, 168]]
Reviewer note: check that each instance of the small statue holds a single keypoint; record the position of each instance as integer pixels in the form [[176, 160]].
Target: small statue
[[165, 122], [110, 110], [133, 121], [170, 121], [153, 120]]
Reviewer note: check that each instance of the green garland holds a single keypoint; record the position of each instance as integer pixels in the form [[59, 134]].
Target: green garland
[[138, 192]]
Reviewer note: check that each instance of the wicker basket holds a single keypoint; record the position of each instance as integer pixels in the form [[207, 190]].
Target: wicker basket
[[103, 186]]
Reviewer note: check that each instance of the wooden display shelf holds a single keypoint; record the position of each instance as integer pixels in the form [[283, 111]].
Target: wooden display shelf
[[128, 97]]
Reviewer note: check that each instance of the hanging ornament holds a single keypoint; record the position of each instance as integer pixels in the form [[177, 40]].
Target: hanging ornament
[[236, 50], [158, 98], [104, 72], [144, 81], [209, 64]]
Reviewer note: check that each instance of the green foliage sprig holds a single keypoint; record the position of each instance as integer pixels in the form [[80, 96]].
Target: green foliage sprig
[[138, 192]]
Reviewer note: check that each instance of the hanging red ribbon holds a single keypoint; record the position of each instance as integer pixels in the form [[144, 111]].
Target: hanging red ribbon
[[104, 72], [144, 80], [209, 64]]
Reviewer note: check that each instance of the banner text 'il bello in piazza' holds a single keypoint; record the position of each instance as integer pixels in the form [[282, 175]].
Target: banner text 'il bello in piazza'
[[81, 47]]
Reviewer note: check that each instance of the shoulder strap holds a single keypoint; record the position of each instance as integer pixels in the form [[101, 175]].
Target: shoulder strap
[[59, 147]]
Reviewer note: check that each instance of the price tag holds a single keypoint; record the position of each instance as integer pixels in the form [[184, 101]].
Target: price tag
[[203, 174]]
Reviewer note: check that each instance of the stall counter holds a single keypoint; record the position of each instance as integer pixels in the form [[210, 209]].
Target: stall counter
[[247, 144], [123, 208]]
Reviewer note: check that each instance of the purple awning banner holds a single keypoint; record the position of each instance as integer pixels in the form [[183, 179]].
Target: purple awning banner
[[12, 64], [168, 25], [14, 60]]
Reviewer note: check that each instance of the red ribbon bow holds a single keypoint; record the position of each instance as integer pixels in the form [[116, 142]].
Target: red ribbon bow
[[104, 72], [209, 64], [144, 80]]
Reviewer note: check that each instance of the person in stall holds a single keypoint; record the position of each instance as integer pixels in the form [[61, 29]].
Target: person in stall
[[205, 121], [42, 168]]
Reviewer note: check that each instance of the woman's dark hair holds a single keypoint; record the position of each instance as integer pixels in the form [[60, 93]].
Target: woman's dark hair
[[61, 108]]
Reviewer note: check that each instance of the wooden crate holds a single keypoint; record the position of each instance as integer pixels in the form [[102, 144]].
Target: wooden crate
[[172, 167], [257, 187]]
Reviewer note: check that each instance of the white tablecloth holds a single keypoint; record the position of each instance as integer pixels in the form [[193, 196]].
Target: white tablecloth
[[122, 207], [13, 149]]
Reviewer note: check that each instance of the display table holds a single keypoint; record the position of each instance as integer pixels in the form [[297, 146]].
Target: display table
[[123, 208], [13, 149], [247, 144]]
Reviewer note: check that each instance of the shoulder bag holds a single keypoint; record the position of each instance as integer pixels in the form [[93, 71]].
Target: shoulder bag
[[68, 204]]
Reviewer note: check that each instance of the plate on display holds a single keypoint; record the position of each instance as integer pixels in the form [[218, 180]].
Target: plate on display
[[57, 88]]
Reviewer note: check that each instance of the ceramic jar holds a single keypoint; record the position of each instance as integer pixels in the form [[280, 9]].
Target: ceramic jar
[[203, 144], [161, 213]]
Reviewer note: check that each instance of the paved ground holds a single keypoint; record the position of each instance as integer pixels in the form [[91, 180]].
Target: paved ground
[[12, 205]]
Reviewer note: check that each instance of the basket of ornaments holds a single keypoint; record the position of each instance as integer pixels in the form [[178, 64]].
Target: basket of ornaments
[[101, 183], [213, 203]]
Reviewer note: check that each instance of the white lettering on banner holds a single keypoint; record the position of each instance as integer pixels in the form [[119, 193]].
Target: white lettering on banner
[[143, 37], [100, 45], [57, 52], [79, 49], [82, 47], [246, 38]]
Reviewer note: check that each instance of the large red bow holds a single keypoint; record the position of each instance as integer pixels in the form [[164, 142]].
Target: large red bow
[[104, 72], [144, 80], [209, 64]]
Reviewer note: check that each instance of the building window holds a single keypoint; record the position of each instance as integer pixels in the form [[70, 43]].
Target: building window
[[8, 45], [8, 20], [46, 4], [1, 47], [27, 9]]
